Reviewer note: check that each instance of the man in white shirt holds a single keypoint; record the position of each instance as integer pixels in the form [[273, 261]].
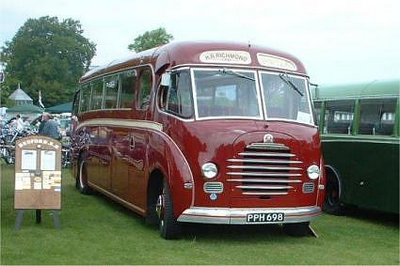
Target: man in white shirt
[[18, 123]]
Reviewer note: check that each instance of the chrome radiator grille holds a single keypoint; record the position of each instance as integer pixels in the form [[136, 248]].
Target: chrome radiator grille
[[265, 170]]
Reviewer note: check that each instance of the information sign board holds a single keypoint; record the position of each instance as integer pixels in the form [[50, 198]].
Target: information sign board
[[37, 173]]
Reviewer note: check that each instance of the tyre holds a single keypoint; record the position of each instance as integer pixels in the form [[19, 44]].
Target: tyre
[[81, 180], [152, 217], [332, 203], [297, 229], [168, 225]]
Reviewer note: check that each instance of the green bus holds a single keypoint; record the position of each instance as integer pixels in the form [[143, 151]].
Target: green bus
[[359, 126]]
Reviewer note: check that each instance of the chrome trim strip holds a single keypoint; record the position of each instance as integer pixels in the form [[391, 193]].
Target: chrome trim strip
[[115, 122], [263, 167], [262, 174], [264, 187], [265, 180], [265, 147], [150, 125], [265, 193], [221, 215], [258, 67], [116, 198], [267, 154], [263, 161]]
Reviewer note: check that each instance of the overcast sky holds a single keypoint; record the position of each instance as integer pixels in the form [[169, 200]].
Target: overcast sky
[[337, 41]]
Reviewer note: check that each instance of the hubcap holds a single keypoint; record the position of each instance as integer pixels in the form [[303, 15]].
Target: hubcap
[[81, 176], [160, 206]]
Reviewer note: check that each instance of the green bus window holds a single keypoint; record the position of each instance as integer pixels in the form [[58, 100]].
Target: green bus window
[[339, 117], [85, 98], [128, 84], [111, 87], [97, 95], [377, 117], [144, 90], [179, 99]]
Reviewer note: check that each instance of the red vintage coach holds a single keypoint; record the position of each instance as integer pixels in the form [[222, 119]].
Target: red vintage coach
[[201, 132]]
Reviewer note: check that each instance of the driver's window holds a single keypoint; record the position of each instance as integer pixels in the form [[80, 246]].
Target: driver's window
[[144, 89], [179, 96]]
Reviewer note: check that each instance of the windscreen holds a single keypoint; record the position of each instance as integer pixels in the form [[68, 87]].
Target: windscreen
[[286, 97], [226, 93]]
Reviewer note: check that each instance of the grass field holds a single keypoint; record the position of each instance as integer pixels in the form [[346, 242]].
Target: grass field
[[95, 230]]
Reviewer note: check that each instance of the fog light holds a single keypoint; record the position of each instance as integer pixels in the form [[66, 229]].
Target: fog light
[[209, 170], [313, 172]]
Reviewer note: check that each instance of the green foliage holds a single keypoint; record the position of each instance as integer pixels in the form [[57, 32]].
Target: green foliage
[[150, 39], [97, 231], [47, 55]]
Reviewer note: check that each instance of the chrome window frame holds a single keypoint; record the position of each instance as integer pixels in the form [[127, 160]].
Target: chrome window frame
[[194, 94], [308, 95]]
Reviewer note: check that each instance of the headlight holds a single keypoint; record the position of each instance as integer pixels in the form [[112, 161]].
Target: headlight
[[209, 170], [313, 172]]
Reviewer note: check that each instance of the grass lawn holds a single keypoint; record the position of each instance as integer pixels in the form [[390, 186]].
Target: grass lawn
[[95, 230]]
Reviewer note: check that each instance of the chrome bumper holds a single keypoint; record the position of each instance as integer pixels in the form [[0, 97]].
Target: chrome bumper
[[239, 215]]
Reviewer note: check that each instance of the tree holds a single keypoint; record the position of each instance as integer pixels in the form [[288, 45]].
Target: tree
[[150, 39], [47, 55]]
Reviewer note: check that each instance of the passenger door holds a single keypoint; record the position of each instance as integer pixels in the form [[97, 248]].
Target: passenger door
[[103, 158], [138, 139]]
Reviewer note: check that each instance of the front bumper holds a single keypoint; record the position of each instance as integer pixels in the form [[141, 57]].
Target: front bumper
[[239, 215]]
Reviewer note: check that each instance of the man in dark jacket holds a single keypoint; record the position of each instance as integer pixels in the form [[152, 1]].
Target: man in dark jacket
[[49, 127]]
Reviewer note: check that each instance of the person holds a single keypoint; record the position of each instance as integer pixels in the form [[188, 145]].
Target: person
[[18, 123], [48, 127]]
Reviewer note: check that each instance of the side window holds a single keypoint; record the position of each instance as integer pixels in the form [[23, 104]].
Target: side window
[[144, 89], [111, 87], [85, 98], [377, 117], [128, 84], [97, 94], [179, 97], [339, 117]]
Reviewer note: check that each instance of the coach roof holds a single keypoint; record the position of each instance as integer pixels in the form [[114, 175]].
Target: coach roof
[[205, 53]]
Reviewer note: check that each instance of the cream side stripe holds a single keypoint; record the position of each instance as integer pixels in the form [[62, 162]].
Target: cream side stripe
[[122, 123]]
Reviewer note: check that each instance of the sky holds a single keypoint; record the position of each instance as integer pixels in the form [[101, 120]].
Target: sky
[[339, 41]]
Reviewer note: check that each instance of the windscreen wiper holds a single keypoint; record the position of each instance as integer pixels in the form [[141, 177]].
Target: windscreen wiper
[[288, 82], [234, 73]]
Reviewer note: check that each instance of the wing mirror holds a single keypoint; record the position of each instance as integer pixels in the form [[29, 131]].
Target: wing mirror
[[166, 79]]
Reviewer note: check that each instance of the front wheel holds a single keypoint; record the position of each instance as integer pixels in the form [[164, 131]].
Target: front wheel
[[297, 229], [81, 180], [169, 226]]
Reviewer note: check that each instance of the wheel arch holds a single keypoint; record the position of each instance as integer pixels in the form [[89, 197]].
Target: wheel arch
[[331, 172], [168, 161]]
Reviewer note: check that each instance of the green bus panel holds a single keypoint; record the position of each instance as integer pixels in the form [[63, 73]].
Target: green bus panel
[[368, 168]]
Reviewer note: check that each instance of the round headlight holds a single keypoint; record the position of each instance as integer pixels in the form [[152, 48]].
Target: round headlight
[[209, 170], [313, 172]]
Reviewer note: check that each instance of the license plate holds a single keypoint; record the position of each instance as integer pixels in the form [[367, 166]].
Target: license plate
[[265, 217]]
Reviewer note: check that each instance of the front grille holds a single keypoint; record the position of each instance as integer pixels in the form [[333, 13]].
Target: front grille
[[265, 170]]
